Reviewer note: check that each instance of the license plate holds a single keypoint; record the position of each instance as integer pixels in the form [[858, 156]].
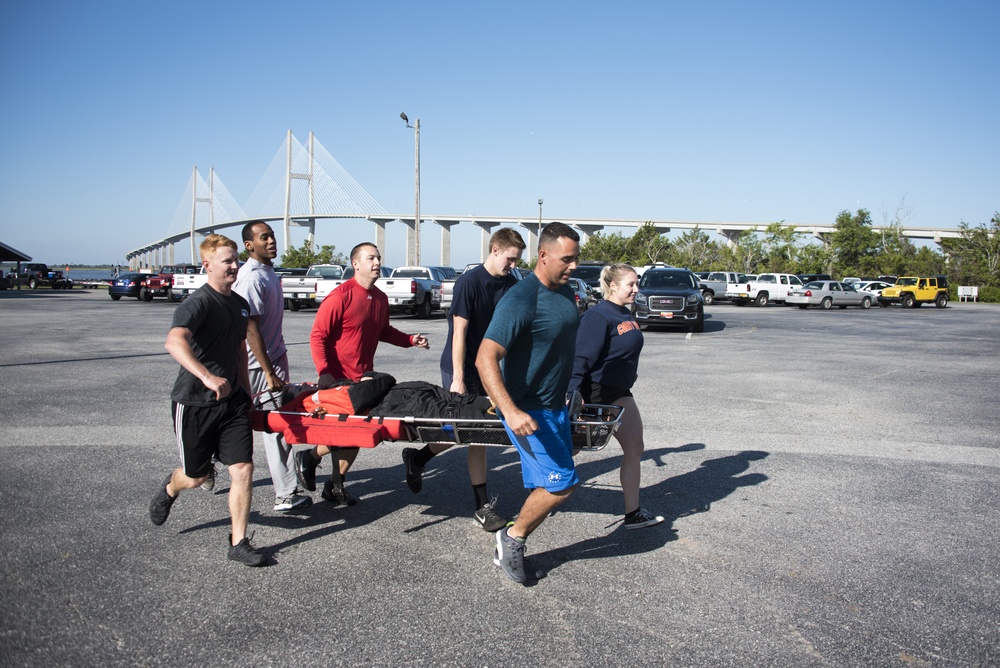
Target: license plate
[[744, 295], [666, 315]]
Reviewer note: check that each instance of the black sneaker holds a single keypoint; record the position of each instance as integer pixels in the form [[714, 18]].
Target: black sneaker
[[305, 468], [244, 552], [337, 495], [414, 473], [509, 557], [642, 518], [159, 507], [487, 518]]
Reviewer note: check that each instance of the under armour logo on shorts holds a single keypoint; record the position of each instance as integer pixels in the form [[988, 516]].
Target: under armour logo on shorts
[[555, 476]]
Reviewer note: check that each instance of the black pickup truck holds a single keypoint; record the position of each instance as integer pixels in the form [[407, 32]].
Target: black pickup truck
[[34, 275]]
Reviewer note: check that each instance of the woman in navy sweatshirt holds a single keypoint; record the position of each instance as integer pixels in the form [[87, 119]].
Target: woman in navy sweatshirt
[[608, 344]]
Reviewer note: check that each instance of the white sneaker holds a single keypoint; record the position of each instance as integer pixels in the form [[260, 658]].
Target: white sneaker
[[293, 501]]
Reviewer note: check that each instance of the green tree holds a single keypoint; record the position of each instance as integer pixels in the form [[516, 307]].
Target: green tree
[[606, 248], [780, 248], [695, 251], [746, 253], [814, 258], [647, 246], [304, 256], [975, 257], [855, 245]]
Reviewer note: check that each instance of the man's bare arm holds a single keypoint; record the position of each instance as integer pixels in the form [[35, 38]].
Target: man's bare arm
[[256, 343], [488, 365], [460, 326]]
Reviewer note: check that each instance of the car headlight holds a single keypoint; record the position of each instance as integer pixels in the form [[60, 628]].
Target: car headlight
[[640, 299], [694, 298]]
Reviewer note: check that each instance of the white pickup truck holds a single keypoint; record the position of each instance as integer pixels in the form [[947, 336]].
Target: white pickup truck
[[300, 291], [413, 290], [327, 285], [765, 288], [185, 284]]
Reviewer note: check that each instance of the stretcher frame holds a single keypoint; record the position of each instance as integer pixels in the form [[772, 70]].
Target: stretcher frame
[[591, 431]]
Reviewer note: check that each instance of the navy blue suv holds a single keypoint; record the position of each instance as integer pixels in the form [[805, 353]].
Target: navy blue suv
[[670, 296]]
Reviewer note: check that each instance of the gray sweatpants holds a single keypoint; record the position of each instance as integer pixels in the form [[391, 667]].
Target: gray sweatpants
[[279, 453]]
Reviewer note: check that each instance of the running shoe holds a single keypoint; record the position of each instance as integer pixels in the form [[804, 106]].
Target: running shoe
[[159, 507], [305, 468], [337, 495], [509, 557], [414, 473], [209, 484], [293, 501], [245, 553], [642, 518], [487, 518]]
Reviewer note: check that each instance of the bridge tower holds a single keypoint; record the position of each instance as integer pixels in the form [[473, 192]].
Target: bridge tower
[[308, 177]]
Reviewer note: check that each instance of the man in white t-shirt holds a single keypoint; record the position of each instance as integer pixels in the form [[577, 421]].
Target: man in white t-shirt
[[268, 356]]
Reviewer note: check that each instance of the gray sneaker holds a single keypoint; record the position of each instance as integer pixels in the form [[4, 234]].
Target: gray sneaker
[[488, 519], [293, 501], [159, 507], [209, 484], [509, 557]]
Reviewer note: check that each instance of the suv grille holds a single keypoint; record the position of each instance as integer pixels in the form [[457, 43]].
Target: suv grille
[[666, 303]]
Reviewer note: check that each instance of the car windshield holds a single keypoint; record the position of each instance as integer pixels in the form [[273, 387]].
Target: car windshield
[[814, 285], [587, 272], [333, 271], [906, 281], [655, 280], [410, 273]]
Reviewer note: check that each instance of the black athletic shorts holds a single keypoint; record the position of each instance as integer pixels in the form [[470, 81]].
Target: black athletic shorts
[[603, 394], [222, 430]]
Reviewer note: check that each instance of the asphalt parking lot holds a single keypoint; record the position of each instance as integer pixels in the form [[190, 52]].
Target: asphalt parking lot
[[829, 478]]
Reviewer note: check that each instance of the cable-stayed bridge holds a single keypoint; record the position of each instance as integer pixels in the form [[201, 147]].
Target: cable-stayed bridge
[[306, 184]]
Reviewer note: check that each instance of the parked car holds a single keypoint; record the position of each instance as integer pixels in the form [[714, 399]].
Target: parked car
[[670, 297], [581, 294], [874, 288], [127, 285], [827, 294], [590, 272], [806, 278]]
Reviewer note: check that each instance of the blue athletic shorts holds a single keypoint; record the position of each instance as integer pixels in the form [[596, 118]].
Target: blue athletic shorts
[[547, 455]]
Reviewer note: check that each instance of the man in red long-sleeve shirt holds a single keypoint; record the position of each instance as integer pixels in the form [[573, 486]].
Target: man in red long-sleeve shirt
[[349, 325]]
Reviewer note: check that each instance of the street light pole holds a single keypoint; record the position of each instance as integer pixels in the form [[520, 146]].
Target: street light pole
[[416, 206], [539, 215]]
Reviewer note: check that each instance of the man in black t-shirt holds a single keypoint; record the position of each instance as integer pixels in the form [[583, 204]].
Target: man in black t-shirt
[[476, 294], [211, 396]]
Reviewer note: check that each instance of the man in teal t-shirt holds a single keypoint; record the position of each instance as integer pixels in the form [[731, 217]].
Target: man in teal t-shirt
[[533, 332]]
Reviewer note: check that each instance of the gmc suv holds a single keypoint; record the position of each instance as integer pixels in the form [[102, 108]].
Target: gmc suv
[[670, 296]]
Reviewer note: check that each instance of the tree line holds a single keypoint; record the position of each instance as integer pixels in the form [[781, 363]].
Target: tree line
[[854, 248]]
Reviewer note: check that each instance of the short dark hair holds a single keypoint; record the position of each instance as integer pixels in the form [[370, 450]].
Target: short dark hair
[[552, 232], [248, 229], [357, 249], [507, 237]]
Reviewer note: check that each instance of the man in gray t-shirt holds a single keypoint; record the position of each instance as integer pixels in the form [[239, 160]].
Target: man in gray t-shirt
[[268, 356]]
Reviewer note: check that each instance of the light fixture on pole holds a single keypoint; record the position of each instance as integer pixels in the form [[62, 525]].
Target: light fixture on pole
[[413, 250], [539, 215]]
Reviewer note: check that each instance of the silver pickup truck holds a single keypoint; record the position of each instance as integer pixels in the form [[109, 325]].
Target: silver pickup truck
[[713, 288], [413, 290]]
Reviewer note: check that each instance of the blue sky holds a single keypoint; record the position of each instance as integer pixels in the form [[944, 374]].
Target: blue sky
[[711, 111]]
